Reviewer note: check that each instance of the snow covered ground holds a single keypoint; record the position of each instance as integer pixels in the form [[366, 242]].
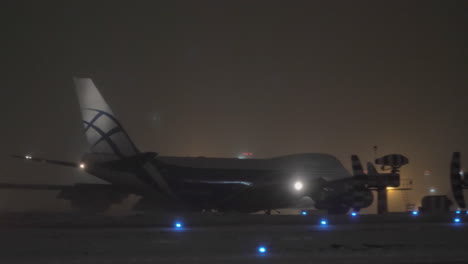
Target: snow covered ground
[[233, 239]]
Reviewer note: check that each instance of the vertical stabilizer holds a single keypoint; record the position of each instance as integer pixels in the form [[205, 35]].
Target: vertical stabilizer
[[103, 131], [371, 170], [357, 166], [456, 180]]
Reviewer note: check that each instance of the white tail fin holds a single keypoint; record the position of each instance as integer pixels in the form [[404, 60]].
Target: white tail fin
[[103, 131]]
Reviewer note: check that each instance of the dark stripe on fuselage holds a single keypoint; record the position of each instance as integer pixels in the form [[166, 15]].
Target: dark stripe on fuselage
[[146, 178]]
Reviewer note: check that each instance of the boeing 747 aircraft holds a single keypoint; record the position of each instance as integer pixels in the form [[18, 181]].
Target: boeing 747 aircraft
[[189, 183]]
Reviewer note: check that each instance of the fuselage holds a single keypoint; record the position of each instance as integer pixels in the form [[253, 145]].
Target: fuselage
[[222, 183]]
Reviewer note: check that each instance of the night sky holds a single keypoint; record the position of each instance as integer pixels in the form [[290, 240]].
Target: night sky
[[217, 78]]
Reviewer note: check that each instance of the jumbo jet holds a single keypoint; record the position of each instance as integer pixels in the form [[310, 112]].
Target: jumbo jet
[[194, 183]]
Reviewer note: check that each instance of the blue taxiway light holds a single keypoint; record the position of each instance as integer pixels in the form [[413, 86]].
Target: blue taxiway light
[[466, 212], [303, 213], [415, 213], [353, 213], [456, 220], [178, 224], [323, 222], [262, 250], [457, 212]]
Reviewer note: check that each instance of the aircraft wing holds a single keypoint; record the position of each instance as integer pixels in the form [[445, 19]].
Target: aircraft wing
[[82, 196]]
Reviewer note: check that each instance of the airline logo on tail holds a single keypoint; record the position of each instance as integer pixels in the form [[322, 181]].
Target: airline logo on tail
[[106, 135], [103, 131]]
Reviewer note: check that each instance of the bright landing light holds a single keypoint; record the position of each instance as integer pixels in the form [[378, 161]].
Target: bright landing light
[[82, 166], [27, 157], [261, 249], [298, 186]]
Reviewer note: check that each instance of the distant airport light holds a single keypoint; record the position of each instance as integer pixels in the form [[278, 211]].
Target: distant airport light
[[466, 212], [82, 165], [432, 190], [415, 213], [304, 212], [245, 155], [456, 220], [390, 188], [27, 157], [354, 214], [262, 249], [298, 186], [178, 225], [323, 222], [458, 212]]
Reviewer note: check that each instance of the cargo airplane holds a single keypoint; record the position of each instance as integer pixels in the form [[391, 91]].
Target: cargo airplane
[[194, 183]]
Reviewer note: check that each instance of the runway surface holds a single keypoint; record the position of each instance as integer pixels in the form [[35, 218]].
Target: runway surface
[[233, 239]]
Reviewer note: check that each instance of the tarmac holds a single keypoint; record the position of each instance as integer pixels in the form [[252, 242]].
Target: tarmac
[[233, 238]]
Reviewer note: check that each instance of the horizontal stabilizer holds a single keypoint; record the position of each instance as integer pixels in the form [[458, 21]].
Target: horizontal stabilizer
[[55, 162], [51, 187]]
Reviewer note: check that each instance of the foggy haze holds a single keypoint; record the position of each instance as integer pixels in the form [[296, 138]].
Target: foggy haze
[[218, 78]]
